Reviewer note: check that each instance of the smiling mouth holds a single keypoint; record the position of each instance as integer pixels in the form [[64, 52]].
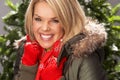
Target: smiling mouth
[[46, 37]]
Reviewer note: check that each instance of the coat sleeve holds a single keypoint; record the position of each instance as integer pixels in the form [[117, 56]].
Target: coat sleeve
[[26, 72], [91, 68]]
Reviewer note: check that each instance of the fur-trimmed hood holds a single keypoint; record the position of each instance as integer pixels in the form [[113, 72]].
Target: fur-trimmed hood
[[94, 37]]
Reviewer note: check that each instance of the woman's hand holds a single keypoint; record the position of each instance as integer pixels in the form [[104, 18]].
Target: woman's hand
[[32, 52]]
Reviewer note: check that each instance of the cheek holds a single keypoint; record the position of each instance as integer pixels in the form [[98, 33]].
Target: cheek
[[35, 33], [60, 31], [35, 29]]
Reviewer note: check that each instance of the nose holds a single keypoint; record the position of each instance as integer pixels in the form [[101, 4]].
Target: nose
[[45, 26]]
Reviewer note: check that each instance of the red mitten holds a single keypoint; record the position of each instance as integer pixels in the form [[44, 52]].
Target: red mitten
[[32, 52]]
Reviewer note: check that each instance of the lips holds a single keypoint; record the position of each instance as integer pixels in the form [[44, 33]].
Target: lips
[[46, 37]]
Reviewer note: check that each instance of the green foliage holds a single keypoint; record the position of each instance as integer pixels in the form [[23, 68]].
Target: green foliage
[[98, 9], [14, 21]]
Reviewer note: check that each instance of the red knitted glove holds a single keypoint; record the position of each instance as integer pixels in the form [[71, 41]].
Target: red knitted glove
[[32, 52]]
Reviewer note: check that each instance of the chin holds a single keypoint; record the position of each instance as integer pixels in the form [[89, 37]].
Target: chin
[[46, 46]]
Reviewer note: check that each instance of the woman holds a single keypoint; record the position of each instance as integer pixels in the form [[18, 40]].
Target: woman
[[61, 43]]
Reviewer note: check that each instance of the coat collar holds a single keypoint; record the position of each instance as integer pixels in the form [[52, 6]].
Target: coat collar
[[85, 43]]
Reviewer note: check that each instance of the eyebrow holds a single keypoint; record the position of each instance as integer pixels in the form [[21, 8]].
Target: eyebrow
[[41, 17]]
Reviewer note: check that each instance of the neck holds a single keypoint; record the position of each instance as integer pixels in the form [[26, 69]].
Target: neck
[[48, 49]]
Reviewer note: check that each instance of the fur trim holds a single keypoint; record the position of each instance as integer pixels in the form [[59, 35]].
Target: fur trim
[[17, 42], [95, 38]]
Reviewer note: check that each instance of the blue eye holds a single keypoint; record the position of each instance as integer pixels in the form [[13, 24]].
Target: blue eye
[[56, 21], [37, 19]]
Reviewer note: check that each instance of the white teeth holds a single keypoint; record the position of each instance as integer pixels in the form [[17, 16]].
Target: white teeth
[[46, 36]]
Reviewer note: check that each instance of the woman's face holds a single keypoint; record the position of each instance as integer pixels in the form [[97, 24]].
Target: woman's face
[[46, 27]]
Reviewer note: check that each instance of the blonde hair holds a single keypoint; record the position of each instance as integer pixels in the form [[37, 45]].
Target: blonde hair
[[69, 13]]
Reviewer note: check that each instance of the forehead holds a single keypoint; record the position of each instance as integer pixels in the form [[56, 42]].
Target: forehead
[[43, 9]]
